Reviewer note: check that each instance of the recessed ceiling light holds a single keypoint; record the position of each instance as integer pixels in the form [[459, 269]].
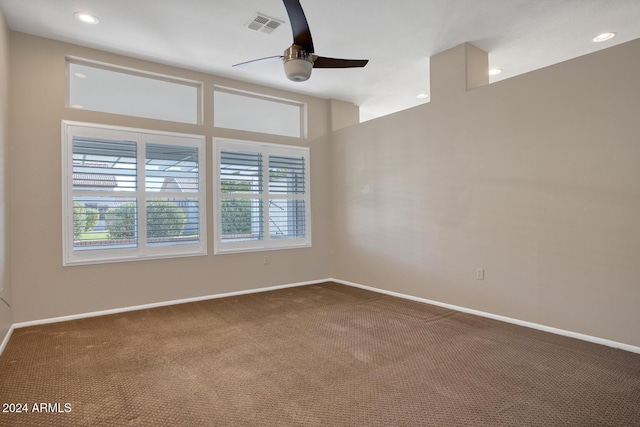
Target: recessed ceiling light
[[603, 37], [80, 75], [422, 95], [87, 18], [495, 71]]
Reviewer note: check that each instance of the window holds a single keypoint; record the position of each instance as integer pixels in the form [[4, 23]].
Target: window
[[262, 196], [110, 89], [131, 194], [258, 113]]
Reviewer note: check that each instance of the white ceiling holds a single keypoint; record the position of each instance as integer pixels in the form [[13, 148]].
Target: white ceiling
[[397, 37]]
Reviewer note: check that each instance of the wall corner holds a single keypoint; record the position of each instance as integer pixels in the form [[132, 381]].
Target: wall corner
[[342, 114], [457, 70]]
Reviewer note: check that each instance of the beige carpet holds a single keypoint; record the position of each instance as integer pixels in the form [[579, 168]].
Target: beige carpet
[[320, 355]]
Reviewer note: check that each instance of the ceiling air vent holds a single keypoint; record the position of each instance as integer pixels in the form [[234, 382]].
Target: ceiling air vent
[[263, 23]]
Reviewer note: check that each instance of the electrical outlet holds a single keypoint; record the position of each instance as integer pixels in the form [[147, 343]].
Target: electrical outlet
[[480, 274], [266, 260]]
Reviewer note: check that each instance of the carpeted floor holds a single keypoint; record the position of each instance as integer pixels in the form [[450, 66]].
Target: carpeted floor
[[319, 355]]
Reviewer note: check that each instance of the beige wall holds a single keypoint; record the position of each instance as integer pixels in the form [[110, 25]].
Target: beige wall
[[42, 287], [535, 179], [343, 114], [5, 262]]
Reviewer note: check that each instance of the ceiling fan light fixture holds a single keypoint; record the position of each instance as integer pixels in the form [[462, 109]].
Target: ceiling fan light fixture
[[297, 63], [298, 70]]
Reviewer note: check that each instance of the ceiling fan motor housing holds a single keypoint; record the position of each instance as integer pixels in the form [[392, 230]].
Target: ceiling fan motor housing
[[297, 63]]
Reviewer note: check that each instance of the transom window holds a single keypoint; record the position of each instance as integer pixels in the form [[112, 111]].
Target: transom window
[[245, 111], [110, 89], [131, 194], [262, 196]]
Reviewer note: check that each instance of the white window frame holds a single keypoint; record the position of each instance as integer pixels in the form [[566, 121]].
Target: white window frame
[[267, 243], [143, 250]]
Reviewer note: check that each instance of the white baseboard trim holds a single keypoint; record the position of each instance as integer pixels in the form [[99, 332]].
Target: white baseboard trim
[[5, 341], [157, 304], [583, 337]]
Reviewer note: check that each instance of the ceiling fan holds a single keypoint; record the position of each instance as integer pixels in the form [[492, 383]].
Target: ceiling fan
[[299, 59]]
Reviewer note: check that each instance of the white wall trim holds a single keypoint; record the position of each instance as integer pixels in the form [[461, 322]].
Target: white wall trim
[[583, 337], [5, 341], [571, 334], [159, 304]]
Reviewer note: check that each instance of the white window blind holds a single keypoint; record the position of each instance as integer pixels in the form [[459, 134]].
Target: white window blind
[[131, 194], [263, 199], [287, 190]]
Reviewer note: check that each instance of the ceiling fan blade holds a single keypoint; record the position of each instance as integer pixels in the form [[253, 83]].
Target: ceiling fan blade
[[322, 62], [299, 25], [268, 58]]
